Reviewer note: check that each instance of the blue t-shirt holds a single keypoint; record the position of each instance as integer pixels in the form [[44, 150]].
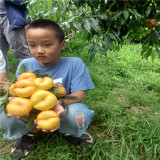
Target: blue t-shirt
[[70, 71]]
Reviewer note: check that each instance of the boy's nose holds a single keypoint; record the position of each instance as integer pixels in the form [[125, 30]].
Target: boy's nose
[[40, 50]]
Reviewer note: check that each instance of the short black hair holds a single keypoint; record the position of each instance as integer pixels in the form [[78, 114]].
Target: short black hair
[[47, 23]]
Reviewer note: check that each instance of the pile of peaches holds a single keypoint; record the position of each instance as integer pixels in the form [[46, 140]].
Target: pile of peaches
[[31, 92]]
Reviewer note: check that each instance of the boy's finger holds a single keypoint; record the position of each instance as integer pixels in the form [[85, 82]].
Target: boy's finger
[[18, 117], [53, 130], [35, 121], [10, 98], [45, 131], [58, 126], [27, 115], [60, 112], [9, 115], [38, 128]]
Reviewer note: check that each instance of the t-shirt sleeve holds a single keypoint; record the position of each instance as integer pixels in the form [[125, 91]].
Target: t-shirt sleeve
[[29, 64], [81, 79], [17, 71]]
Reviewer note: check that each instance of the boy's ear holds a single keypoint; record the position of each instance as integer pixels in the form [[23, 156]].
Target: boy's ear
[[63, 44]]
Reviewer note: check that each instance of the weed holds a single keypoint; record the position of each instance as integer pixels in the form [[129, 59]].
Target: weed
[[126, 104]]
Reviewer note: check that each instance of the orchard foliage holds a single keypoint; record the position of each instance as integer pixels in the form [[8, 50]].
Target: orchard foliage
[[104, 24]]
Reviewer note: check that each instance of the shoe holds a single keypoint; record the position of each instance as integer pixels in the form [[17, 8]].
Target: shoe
[[84, 140], [23, 146]]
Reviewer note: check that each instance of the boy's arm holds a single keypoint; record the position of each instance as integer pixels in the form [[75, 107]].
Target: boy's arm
[[59, 107], [79, 94]]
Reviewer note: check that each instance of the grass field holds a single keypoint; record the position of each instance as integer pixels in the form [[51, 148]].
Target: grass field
[[127, 111]]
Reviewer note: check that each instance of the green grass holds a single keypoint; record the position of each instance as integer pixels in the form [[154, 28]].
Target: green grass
[[127, 113]]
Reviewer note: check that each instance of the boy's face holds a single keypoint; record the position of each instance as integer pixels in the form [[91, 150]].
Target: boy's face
[[44, 45]]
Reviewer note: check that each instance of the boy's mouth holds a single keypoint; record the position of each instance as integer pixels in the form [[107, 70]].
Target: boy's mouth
[[41, 57]]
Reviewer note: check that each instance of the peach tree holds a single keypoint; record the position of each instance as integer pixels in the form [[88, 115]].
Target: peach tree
[[104, 24]]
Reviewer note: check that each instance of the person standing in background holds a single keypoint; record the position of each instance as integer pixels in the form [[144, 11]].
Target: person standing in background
[[3, 76], [13, 19]]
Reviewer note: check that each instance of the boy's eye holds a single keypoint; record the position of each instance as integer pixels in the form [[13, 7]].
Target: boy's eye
[[47, 44], [31, 45]]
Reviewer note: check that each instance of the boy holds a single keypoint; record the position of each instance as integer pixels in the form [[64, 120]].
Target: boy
[[45, 41]]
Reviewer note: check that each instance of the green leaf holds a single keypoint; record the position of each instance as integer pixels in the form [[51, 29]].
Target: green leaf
[[103, 16], [60, 2], [112, 36], [137, 16], [22, 69], [126, 14], [2, 92], [64, 103], [5, 110], [55, 90], [117, 15], [93, 53], [30, 71], [91, 2], [46, 14], [152, 38], [36, 71], [153, 55], [53, 12], [158, 51], [87, 25], [116, 35], [77, 25], [148, 11], [107, 42], [4, 100], [145, 47], [43, 75], [32, 116], [148, 53], [95, 25], [71, 19], [102, 50], [67, 25], [131, 11], [69, 97]]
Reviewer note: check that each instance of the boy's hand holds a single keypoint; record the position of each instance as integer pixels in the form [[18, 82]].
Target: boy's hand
[[58, 126], [17, 117], [59, 109]]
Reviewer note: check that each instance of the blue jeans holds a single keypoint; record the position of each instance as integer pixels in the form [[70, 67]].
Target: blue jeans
[[68, 122]]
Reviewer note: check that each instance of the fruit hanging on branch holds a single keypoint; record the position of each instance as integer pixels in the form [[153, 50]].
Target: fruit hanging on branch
[[24, 88], [58, 90], [151, 23], [27, 76], [48, 120], [43, 100], [44, 83], [19, 106]]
